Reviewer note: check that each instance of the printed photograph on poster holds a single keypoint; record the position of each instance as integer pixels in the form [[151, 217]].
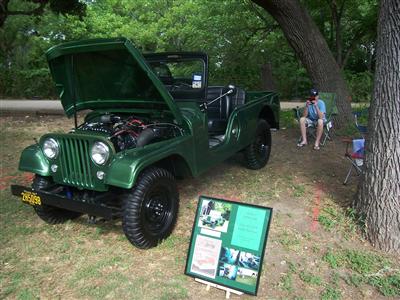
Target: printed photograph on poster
[[215, 215], [246, 276], [249, 260], [227, 271], [205, 256], [229, 255]]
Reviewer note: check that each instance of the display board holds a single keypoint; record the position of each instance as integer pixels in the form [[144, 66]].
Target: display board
[[228, 243]]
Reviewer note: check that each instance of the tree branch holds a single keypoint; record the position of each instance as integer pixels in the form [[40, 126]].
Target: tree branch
[[36, 11]]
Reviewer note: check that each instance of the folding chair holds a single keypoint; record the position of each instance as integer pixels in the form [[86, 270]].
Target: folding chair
[[331, 110], [356, 156]]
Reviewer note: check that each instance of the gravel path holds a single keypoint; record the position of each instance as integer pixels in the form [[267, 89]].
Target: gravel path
[[54, 106]]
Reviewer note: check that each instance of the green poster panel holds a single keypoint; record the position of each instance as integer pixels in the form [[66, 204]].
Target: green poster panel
[[228, 243]]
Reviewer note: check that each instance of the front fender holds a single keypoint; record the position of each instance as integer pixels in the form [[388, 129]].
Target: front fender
[[33, 160], [125, 168]]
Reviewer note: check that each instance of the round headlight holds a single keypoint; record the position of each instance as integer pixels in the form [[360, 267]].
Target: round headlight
[[100, 153], [50, 148]]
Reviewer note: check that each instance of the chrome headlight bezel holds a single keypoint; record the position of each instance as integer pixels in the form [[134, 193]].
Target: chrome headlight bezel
[[100, 153], [51, 148]]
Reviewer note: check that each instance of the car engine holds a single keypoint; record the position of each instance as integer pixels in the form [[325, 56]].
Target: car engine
[[127, 132]]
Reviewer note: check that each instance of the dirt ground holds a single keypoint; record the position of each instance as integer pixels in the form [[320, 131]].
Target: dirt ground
[[315, 248]]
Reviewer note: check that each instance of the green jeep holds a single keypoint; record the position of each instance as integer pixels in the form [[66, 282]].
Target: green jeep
[[150, 118], [213, 219]]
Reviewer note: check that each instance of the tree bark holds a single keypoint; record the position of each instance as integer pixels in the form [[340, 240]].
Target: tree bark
[[313, 51], [267, 79], [378, 198], [3, 11]]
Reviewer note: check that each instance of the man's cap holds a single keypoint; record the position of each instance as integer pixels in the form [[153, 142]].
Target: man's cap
[[313, 92]]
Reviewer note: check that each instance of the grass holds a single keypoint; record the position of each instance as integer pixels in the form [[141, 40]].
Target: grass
[[331, 293], [286, 282], [76, 260], [366, 268], [286, 119], [310, 278], [334, 218]]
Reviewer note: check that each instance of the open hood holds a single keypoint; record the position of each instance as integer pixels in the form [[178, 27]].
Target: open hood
[[107, 74]]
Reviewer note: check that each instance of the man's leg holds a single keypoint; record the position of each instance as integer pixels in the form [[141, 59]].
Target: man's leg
[[303, 130], [320, 130]]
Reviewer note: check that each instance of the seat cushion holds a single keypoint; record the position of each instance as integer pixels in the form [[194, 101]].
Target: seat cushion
[[217, 125], [219, 111]]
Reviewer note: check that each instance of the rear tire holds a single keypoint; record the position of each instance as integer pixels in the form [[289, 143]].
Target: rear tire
[[150, 209], [50, 214], [258, 152]]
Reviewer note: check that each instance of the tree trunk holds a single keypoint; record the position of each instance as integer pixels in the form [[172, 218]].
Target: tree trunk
[[313, 51], [267, 79], [378, 199], [3, 11]]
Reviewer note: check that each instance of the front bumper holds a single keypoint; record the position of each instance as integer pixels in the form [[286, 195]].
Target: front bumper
[[34, 198]]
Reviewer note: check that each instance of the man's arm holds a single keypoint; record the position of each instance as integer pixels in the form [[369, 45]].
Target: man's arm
[[321, 114], [305, 111]]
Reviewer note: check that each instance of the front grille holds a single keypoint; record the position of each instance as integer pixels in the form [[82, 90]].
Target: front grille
[[75, 162]]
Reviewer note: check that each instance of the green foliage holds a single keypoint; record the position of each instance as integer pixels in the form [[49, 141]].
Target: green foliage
[[287, 119], [361, 85], [238, 37]]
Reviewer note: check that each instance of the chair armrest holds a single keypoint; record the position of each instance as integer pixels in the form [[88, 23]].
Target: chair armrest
[[298, 112]]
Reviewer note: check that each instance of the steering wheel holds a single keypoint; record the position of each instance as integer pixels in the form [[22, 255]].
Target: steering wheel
[[180, 84]]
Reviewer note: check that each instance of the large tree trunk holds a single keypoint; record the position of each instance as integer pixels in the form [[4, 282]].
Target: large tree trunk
[[379, 193], [310, 46], [267, 79]]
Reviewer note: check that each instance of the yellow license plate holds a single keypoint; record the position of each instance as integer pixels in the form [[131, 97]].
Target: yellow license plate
[[31, 198]]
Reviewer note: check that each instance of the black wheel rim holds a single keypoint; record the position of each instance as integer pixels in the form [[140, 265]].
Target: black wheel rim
[[157, 213]]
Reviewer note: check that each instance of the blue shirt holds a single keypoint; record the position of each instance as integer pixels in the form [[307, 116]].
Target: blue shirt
[[312, 111]]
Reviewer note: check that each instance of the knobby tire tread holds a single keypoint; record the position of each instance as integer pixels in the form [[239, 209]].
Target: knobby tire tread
[[251, 159], [131, 222]]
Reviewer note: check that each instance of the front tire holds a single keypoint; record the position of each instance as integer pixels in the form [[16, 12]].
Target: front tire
[[50, 214], [150, 208], [258, 152]]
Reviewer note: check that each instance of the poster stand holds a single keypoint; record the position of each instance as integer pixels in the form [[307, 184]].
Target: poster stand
[[228, 291], [227, 245]]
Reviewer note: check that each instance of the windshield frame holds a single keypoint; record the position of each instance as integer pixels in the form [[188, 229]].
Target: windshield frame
[[176, 57]]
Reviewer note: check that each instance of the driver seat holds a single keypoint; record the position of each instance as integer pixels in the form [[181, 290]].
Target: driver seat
[[218, 112]]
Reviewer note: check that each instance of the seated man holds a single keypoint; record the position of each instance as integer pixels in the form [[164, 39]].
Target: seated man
[[314, 113]]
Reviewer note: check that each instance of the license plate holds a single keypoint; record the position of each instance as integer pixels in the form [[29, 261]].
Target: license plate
[[31, 198]]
